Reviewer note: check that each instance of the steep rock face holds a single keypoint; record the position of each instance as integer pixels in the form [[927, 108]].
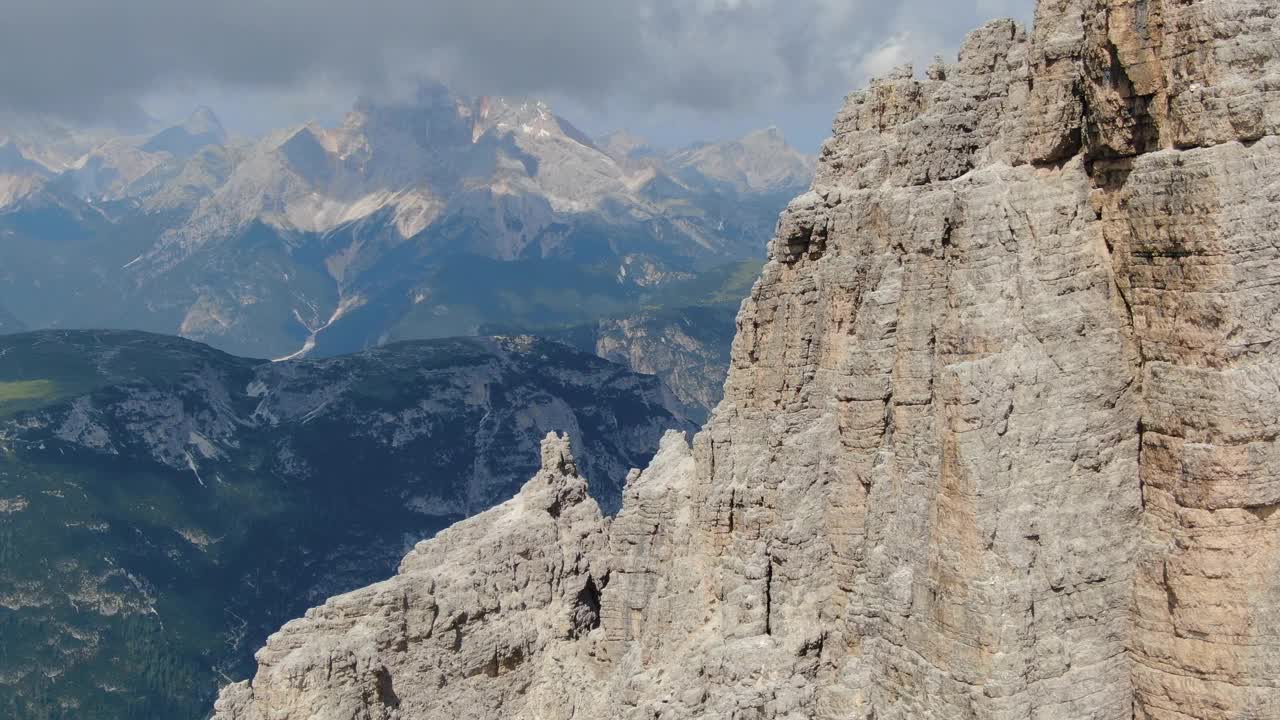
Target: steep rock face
[[999, 436]]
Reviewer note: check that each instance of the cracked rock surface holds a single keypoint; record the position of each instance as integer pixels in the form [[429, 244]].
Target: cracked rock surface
[[999, 438]]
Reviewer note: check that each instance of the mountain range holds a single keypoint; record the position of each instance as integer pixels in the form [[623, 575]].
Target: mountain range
[[417, 218]]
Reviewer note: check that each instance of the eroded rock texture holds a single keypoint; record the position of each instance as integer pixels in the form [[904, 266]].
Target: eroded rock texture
[[999, 439]]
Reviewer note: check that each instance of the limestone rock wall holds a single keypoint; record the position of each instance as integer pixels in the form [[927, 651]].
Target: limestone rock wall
[[999, 439]]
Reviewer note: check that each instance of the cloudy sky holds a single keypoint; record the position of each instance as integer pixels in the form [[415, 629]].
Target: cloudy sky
[[676, 70]]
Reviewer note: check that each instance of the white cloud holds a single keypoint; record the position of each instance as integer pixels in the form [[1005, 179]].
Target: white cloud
[[895, 52], [708, 57]]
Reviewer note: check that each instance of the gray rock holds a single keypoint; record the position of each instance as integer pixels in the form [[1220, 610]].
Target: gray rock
[[998, 441], [462, 630]]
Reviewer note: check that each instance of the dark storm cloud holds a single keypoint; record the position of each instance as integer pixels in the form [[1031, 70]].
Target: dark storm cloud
[[85, 57]]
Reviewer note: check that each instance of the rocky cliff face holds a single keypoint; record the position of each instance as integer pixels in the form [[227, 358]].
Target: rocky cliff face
[[998, 439]]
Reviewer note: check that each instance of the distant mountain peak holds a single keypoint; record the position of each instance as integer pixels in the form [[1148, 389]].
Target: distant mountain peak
[[308, 152], [307, 132], [201, 129], [760, 161], [624, 145], [203, 121], [518, 115]]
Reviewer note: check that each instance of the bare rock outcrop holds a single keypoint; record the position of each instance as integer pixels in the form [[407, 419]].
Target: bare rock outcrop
[[999, 439], [463, 627]]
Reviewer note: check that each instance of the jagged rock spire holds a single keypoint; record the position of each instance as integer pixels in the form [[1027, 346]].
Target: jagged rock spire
[[557, 455]]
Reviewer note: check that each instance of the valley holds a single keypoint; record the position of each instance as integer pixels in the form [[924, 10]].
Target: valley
[[163, 505]]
